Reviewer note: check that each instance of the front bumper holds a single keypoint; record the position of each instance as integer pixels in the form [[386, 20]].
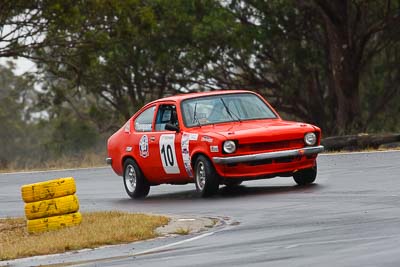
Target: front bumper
[[269, 155]]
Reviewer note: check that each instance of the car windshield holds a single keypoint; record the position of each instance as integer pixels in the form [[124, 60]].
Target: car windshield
[[224, 108]]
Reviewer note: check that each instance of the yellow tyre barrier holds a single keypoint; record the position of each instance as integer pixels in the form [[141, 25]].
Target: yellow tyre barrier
[[51, 207], [48, 190], [53, 223]]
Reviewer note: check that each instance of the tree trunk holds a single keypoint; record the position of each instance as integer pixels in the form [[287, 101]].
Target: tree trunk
[[345, 76], [345, 66]]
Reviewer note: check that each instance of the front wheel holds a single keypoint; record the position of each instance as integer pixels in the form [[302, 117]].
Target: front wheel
[[306, 176], [207, 179], [135, 183]]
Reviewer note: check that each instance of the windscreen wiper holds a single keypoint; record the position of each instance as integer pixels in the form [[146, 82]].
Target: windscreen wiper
[[195, 119], [230, 113]]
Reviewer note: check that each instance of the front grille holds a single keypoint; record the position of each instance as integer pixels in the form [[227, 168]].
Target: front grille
[[260, 162], [271, 146], [265, 162], [285, 160]]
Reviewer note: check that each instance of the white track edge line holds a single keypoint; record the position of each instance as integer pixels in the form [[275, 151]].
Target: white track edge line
[[160, 248]]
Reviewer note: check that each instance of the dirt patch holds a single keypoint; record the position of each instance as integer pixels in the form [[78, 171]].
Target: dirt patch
[[186, 225]]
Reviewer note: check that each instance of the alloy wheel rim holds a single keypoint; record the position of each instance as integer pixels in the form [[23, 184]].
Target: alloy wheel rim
[[200, 175], [130, 178]]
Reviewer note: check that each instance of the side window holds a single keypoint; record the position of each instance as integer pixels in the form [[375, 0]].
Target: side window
[[166, 114], [144, 121]]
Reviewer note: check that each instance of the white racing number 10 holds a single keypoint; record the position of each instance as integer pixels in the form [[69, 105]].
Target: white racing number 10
[[167, 153]]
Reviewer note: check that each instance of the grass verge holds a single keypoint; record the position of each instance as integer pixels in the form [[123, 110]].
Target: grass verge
[[97, 229], [87, 160]]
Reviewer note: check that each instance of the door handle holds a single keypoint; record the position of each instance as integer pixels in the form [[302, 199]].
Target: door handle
[[152, 138]]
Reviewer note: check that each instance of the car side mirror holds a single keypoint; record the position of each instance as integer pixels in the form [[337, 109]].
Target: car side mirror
[[171, 127]]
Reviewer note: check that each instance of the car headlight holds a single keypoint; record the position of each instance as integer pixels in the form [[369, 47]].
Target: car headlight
[[310, 139], [229, 147]]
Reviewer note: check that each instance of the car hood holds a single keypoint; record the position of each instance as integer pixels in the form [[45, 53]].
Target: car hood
[[261, 130]]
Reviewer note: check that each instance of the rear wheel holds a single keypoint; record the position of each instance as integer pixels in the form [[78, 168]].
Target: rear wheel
[[306, 176], [207, 179], [135, 183]]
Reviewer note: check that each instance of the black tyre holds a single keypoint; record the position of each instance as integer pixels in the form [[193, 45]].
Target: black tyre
[[135, 183], [207, 180], [306, 176]]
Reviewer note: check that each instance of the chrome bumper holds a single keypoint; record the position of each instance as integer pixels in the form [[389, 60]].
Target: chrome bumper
[[270, 155], [108, 161]]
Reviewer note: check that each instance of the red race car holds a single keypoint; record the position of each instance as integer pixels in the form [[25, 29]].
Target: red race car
[[212, 138]]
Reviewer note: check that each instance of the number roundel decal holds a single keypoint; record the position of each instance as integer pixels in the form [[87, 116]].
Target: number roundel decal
[[167, 153]]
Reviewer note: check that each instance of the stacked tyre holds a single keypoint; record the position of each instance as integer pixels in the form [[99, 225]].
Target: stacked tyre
[[51, 205]]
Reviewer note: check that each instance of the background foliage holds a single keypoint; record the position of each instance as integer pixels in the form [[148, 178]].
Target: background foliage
[[331, 63]]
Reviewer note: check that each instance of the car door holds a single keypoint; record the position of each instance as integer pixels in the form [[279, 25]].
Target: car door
[[140, 142], [165, 145]]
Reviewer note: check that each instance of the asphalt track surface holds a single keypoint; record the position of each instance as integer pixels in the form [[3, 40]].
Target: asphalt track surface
[[350, 217]]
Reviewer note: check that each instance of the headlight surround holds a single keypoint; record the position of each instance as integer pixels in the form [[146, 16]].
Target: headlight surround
[[229, 147], [310, 139]]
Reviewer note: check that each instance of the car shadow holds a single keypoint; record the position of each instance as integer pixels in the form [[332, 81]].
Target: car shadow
[[240, 191], [231, 192]]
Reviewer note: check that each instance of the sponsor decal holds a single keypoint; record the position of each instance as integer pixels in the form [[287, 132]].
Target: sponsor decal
[[193, 137], [207, 139], [214, 149], [144, 146], [167, 153], [127, 128], [143, 127], [185, 154]]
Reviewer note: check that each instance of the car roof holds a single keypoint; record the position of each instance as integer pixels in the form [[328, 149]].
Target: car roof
[[180, 97]]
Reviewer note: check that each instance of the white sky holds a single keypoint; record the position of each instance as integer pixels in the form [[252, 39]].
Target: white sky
[[22, 65]]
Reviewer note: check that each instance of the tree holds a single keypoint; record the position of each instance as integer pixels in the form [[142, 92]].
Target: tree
[[130, 52], [356, 32], [20, 27], [105, 59], [13, 116], [380, 91], [312, 56]]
